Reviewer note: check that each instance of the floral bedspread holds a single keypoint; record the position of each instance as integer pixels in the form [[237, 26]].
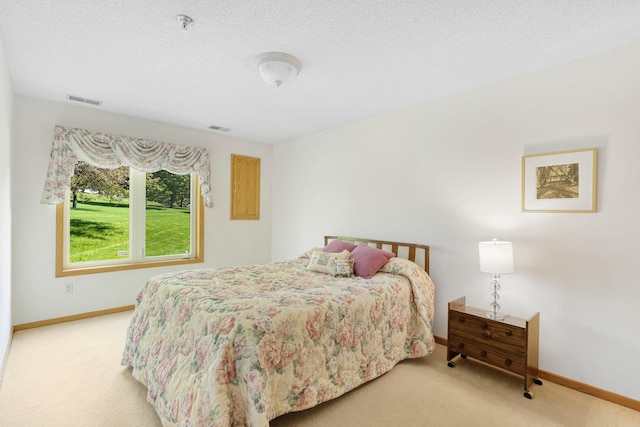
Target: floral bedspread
[[243, 345]]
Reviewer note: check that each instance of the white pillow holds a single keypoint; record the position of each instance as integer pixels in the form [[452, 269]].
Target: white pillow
[[324, 262], [308, 253]]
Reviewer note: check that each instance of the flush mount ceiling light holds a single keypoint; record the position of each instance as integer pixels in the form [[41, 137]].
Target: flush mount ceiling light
[[184, 22], [277, 68]]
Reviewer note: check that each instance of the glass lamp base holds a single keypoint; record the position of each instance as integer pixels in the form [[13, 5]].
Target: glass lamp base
[[494, 315]]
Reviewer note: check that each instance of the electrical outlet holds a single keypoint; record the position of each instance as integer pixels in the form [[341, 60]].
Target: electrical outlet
[[68, 288]]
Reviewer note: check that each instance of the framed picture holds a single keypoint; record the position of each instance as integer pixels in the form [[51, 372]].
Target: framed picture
[[559, 182]]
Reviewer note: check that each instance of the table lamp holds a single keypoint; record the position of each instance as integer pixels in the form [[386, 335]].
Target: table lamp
[[496, 258]]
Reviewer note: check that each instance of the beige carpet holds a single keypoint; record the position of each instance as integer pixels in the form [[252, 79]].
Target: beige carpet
[[70, 375]]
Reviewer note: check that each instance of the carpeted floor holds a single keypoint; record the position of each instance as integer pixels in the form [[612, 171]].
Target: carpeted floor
[[70, 375]]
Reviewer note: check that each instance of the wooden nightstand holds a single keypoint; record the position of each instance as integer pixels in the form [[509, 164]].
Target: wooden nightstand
[[510, 344]]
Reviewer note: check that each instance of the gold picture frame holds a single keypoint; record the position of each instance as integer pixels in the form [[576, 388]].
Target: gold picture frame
[[245, 187], [564, 181]]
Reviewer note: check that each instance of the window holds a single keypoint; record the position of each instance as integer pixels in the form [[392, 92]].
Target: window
[[116, 219]]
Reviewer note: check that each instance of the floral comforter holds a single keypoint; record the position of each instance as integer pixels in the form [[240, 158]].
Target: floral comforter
[[243, 345]]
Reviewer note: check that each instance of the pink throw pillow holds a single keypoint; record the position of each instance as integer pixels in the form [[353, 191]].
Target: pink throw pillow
[[339, 246], [368, 260]]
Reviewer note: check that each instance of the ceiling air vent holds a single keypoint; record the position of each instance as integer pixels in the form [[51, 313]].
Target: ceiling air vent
[[220, 128], [84, 100]]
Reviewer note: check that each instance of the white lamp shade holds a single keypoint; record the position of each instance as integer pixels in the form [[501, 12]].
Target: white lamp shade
[[277, 68], [496, 257]]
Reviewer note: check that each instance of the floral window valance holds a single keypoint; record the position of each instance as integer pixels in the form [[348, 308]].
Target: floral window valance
[[108, 151]]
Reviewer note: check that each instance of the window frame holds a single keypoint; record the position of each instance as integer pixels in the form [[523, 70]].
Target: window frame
[[62, 243]]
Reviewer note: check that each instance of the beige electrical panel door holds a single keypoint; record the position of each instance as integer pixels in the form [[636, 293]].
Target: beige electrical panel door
[[245, 187]]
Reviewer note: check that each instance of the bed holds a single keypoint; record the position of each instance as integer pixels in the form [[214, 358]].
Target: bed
[[243, 345]]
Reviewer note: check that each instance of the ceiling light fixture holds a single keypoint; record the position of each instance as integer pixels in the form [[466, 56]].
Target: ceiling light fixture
[[184, 22], [277, 68]]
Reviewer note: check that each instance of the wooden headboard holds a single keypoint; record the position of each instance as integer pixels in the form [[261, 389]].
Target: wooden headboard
[[411, 251]]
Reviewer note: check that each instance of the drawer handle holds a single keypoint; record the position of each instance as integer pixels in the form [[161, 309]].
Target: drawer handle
[[508, 362], [483, 353], [508, 333], [484, 326], [461, 346], [461, 320], [486, 335]]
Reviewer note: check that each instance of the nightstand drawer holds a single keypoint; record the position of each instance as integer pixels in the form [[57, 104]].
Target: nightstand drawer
[[487, 330], [511, 362]]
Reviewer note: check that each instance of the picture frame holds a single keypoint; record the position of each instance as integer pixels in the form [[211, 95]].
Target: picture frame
[[563, 181]]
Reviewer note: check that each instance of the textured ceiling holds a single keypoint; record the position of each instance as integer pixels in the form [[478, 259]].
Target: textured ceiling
[[360, 57]]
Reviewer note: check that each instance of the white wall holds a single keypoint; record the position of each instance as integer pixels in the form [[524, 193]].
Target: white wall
[[448, 172], [6, 99], [37, 294]]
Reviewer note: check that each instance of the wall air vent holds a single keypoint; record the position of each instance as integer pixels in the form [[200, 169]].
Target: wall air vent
[[84, 100], [220, 128]]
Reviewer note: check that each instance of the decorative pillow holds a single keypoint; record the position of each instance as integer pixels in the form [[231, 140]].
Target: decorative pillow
[[308, 253], [368, 260], [344, 268], [324, 262], [339, 246]]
